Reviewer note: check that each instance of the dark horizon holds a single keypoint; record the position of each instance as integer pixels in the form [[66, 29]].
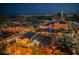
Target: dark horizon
[[15, 9]]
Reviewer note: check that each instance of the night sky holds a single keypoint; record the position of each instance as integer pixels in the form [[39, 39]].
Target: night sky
[[37, 8]]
